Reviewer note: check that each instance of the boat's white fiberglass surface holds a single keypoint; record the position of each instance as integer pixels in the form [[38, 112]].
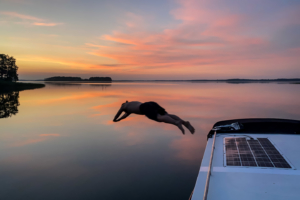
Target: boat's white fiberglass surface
[[238, 182]]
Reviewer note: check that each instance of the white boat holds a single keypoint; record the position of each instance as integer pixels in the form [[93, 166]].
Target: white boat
[[251, 159]]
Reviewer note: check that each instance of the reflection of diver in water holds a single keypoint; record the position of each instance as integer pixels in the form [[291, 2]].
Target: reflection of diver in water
[[9, 103], [153, 111]]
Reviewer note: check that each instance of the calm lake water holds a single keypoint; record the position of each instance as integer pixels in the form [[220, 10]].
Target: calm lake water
[[62, 143]]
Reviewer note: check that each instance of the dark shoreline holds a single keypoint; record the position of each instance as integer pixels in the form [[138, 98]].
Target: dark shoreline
[[231, 81], [191, 80], [18, 86], [221, 81]]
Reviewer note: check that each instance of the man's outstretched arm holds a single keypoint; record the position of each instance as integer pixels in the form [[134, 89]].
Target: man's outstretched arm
[[118, 114], [123, 117]]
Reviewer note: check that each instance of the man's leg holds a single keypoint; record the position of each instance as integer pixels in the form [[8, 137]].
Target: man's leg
[[168, 119], [176, 118], [185, 123]]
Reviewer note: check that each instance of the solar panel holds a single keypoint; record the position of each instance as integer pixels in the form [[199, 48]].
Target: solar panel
[[258, 152], [233, 158], [246, 156]]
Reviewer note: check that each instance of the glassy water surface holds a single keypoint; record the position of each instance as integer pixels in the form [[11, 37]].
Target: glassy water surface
[[59, 142]]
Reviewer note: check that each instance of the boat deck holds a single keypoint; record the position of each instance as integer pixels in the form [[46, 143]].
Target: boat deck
[[250, 182]]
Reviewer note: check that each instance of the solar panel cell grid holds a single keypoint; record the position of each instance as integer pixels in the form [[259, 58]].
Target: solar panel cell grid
[[256, 153], [273, 153], [233, 158], [260, 155], [246, 156], [249, 164]]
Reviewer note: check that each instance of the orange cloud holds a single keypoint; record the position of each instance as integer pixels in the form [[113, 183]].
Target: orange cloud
[[46, 24], [51, 60], [40, 138], [94, 45], [166, 50], [27, 142], [120, 39], [50, 134], [81, 96], [73, 64], [38, 21], [21, 16], [208, 41]]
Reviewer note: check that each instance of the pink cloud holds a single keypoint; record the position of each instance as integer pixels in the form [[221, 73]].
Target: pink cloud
[[207, 41], [133, 20]]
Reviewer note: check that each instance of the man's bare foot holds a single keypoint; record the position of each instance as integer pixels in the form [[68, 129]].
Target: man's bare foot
[[189, 126], [180, 127]]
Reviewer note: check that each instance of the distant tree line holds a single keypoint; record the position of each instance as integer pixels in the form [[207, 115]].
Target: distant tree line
[[100, 79], [8, 68], [65, 78]]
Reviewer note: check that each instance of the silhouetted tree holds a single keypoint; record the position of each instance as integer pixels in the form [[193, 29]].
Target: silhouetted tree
[[8, 68], [9, 103], [2, 65]]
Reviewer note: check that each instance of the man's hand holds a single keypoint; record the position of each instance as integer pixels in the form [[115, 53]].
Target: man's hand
[[123, 117], [118, 114]]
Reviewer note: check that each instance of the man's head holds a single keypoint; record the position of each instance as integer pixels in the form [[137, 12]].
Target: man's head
[[124, 103]]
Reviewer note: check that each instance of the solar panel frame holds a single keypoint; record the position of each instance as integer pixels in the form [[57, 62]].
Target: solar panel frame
[[261, 156]]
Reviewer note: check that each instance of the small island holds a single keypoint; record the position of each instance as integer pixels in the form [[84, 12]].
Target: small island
[[9, 76], [78, 79]]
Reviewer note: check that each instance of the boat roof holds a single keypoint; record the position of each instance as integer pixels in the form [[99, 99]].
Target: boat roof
[[262, 125], [246, 182]]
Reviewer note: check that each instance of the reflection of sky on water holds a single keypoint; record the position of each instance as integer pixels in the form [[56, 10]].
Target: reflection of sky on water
[[63, 144]]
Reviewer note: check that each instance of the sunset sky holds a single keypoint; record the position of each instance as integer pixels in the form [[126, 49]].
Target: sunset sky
[[157, 39]]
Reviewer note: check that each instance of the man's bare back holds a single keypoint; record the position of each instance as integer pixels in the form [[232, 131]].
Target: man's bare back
[[132, 107], [153, 111]]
